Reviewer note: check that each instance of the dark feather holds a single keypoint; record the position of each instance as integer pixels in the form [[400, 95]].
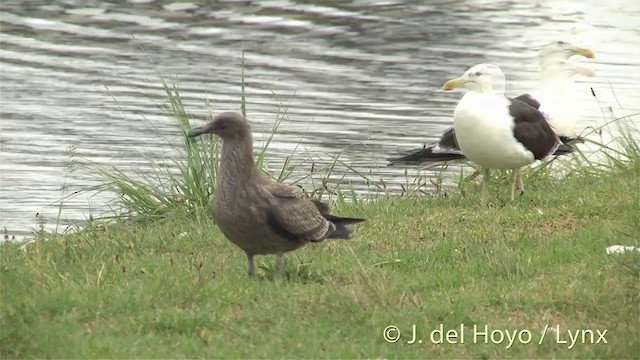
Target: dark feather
[[571, 140], [568, 141], [309, 232], [275, 226], [427, 154], [342, 231], [448, 140], [532, 130], [420, 156], [324, 208], [343, 220], [564, 149], [529, 100]]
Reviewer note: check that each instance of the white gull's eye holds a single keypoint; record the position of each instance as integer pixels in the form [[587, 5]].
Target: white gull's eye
[[478, 73]]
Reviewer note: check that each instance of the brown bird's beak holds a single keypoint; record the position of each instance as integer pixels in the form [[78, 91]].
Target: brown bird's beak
[[199, 130]]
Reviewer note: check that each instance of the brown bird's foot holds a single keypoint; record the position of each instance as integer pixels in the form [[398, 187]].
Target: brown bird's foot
[[252, 268], [280, 263]]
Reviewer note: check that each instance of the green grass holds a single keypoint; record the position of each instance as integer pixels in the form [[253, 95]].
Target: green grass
[[176, 288], [158, 279]]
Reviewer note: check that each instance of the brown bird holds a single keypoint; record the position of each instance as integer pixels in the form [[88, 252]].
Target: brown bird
[[258, 215]]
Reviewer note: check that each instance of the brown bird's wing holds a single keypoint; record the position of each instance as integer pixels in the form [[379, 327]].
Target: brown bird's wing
[[284, 190], [324, 208], [288, 191], [294, 216]]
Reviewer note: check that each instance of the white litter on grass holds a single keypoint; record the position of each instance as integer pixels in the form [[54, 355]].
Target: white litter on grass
[[619, 249], [183, 234]]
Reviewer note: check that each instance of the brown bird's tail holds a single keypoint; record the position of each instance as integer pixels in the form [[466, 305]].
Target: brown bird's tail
[[342, 231]]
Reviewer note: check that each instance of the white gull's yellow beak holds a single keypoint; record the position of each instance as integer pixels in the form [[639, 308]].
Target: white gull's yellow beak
[[454, 84], [588, 53]]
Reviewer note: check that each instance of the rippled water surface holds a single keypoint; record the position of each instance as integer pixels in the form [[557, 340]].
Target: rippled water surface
[[360, 78]]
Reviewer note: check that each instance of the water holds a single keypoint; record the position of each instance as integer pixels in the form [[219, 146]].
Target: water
[[361, 78]]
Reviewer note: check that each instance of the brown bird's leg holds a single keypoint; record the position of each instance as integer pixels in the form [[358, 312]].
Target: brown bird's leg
[[280, 262], [252, 269]]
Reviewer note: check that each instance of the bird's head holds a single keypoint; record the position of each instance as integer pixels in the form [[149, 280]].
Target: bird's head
[[227, 125], [563, 50], [482, 78], [566, 68]]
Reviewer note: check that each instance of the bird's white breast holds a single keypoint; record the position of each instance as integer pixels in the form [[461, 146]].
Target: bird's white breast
[[559, 103], [484, 131]]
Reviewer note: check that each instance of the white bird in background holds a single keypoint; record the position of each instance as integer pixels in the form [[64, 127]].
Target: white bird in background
[[558, 96]]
